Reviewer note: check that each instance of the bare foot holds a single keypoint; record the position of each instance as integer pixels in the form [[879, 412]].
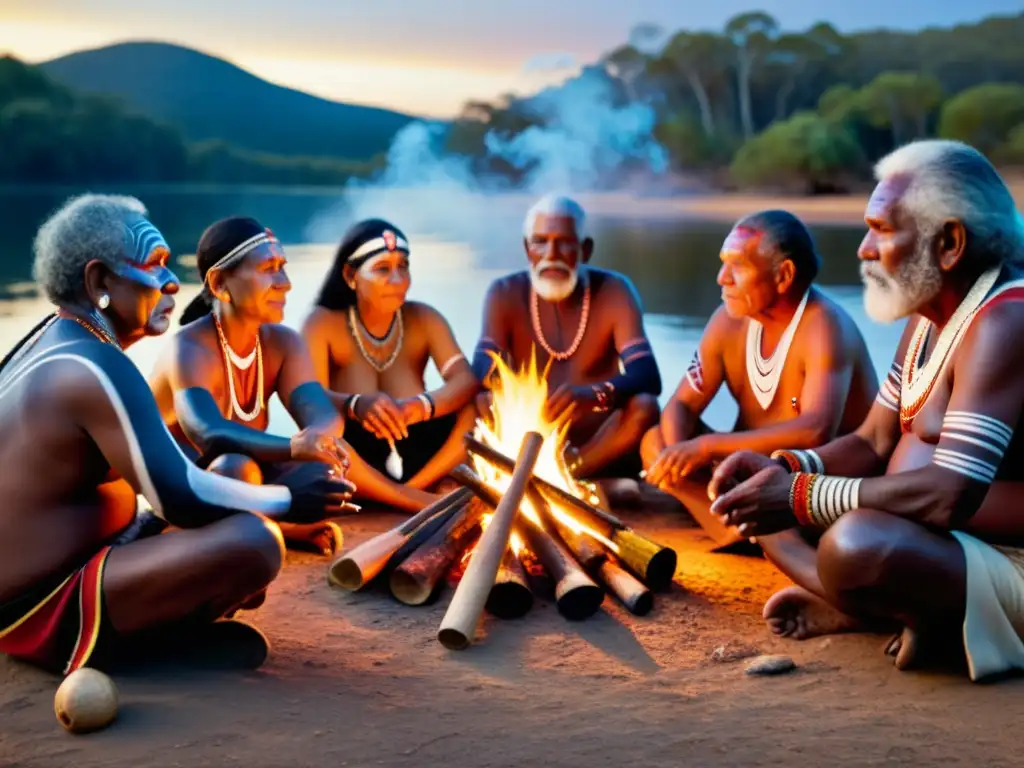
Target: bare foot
[[914, 649], [796, 613], [324, 538], [903, 648]]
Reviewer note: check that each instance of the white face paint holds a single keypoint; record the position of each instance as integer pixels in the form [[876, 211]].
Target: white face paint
[[551, 287], [366, 268], [918, 280]]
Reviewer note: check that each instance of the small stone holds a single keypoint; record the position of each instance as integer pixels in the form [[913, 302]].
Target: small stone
[[769, 665]]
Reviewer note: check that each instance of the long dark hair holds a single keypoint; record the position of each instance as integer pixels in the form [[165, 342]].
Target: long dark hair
[[335, 292], [219, 239]]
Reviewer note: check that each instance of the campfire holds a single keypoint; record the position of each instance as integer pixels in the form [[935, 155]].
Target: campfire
[[521, 525]]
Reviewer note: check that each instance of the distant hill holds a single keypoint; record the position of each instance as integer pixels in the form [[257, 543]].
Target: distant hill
[[209, 98]]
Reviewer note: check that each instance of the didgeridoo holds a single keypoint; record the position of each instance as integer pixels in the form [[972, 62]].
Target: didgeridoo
[[510, 596], [414, 581], [630, 591], [576, 594], [460, 621], [655, 564], [357, 567]]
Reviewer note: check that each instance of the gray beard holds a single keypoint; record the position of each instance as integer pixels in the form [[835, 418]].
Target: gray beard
[[888, 298], [554, 289]]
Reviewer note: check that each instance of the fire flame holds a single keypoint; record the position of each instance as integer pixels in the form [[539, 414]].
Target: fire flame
[[518, 406]]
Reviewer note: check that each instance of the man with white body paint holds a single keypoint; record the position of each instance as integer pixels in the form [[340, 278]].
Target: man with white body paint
[[587, 324], [794, 362], [918, 511], [81, 437]]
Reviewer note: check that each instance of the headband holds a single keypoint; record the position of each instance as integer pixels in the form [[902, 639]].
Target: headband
[[242, 250], [386, 243]]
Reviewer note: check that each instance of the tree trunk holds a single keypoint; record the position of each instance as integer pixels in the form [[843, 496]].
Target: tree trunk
[[743, 76], [782, 98], [707, 118]]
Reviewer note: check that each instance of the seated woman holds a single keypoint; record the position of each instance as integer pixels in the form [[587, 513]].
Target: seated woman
[[81, 437], [370, 348], [212, 386]]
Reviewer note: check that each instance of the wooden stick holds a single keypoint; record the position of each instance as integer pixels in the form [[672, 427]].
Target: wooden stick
[[355, 568], [632, 592], [510, 596], [460, 622], [414, 581], [655, 564], [586, 549], [576, 594]]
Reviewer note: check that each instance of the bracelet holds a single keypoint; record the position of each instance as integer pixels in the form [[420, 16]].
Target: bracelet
[[428, 404], [799, 461], [821, 500], [603, 393], [350, 406]]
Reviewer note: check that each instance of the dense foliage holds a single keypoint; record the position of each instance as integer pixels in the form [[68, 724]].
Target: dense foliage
[[49, 134], [802, 110]]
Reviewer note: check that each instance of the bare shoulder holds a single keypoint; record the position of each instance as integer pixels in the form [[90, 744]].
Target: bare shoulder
[[995, 332], [419, 313], [323, 326], [612, 285], [280, 336], [194, 343], [506, 288], [827, 320], [722, 326]]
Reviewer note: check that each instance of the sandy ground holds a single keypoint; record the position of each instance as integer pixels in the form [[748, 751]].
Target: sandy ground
[[360, 680]]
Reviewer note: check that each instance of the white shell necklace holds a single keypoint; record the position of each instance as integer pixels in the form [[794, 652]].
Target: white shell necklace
[[232, 359], [764, 374], [917, 380], [355, 325]]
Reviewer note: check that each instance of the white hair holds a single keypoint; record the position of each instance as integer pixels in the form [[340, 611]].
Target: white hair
[[556, 205], [86, 228], [951, 180]]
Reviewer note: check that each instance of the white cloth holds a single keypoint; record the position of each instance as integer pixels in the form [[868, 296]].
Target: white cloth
[[994, 619]]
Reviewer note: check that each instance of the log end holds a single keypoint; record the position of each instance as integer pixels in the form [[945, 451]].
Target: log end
[[408, 590], [577, 596], [452, 639], [509, 600], [661, 569], [641, 604], [345, 573]]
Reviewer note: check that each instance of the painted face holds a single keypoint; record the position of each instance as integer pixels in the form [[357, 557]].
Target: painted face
[[383, 280], [899, 270], [556, 257], [148, 255], [142, 295], [747, 276], [258, 285]]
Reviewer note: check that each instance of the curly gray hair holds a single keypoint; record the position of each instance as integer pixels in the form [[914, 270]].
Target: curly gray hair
[[86, 228]]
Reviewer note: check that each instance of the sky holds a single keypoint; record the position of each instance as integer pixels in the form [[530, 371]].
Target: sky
[[426, 57]]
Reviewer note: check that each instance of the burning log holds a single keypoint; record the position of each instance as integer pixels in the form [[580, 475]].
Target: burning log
[[587, 551], [460, 621], [355, 568], [576, 594], [510, 596], [414, 581], [655, 564], [630, 591]]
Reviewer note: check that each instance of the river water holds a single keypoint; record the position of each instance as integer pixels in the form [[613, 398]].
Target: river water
[[456, 251]]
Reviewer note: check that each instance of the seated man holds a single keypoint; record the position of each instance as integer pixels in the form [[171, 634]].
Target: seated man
[[370, 349], [213, 384], [794, 361], [81, 437], [918, 510], [589, 326]]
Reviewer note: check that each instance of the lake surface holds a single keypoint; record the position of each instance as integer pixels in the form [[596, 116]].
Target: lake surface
[[458, 246]]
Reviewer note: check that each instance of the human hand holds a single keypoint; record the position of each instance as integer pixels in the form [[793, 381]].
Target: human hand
[[381, 416], [568, 399], [318, 492], [736, 468], [679, 460], [759, 505], [413, 410], [313, 445]]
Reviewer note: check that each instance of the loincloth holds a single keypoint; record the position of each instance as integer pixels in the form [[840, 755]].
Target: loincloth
[[56, 625], [424, 441], [994, 614]]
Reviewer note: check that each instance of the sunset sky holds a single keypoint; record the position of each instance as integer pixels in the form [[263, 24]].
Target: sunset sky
[[422, 56]]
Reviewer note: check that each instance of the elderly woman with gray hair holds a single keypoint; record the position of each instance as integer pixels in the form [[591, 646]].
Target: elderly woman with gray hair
[[81, 437]]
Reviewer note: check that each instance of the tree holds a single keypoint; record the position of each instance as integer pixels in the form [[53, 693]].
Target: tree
[[1012, 152], [751, 35], [805, 152], [795, 53], [984, 115], [697, 57], [902, 102]]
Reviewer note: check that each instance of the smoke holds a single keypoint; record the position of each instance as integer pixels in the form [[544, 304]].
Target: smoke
[[583, 136]]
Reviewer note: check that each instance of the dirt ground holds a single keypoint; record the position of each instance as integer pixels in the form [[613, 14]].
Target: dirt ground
[[360, 680]]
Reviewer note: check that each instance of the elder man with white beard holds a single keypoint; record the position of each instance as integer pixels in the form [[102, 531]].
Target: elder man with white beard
[[588, 325], [919, 511]]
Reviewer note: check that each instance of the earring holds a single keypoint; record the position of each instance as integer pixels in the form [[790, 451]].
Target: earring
[[352, 285], [104, 302]]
